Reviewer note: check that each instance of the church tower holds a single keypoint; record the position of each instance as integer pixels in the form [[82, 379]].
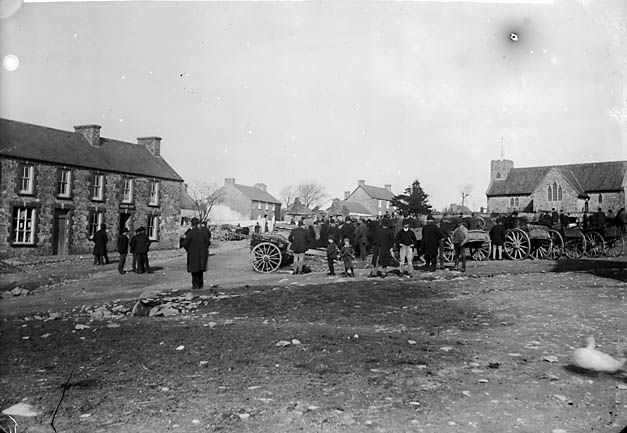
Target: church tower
[[500, 168]]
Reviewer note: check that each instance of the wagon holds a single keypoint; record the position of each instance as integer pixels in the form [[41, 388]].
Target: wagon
[[574, 242], [479, 245], [268, 252], [606, 240], [535, 241]]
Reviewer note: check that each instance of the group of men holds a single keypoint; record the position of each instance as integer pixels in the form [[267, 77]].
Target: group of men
[[138, 245]]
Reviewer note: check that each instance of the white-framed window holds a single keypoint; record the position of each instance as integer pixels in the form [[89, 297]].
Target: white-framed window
[[96, 219], [152, 227], [273, 208], [127, 190], [64, 183], [26, 179], [380, 213], [23, 229], [387, 204], [258, 205], [154, 193], [380, 204], [267, 206], [97, 187]]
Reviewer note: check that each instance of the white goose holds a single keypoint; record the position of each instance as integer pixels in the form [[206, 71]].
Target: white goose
[[591, 359]]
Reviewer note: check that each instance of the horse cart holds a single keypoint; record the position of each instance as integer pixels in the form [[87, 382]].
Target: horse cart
[[535, 241], [479, 245], [604, 240], [268, 252]]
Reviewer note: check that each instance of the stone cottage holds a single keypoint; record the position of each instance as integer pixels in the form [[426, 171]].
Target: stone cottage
[[59, 186]]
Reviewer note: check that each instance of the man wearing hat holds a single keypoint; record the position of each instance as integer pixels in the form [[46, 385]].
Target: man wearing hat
[[122, 249], [406, 239], [432, 237], [196, 243], [140, 244]]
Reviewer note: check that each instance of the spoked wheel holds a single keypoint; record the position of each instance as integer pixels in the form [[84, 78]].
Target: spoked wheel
[[266, 257], [449, 250], [540, 248], [575, 247], [517, 244], [557, 245], [594, 244], [482, 252], [614, 247]]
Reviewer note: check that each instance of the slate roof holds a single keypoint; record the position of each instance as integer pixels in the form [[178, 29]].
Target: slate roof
[[187, 201], [256, 194], [591, 177], [355, 208], [297, 208], [48, 145], [376, 192]]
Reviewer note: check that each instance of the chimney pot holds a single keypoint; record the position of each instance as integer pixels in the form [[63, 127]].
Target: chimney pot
[[229, 181], [153, 144], [261, 186], [388, 187], [346, 194], [90, 132], [361, 182]]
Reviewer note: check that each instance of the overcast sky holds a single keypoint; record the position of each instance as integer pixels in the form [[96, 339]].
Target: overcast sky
[[288, 92]]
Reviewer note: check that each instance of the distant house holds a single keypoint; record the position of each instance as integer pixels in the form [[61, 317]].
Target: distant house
[[374, 199], [297, 210], [573, 188], [348, 208], [241, 203], [188, 208], [456, 209], [59, 186]]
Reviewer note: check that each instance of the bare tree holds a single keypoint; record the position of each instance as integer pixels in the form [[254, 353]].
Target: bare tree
[[311, 193], [205, 196], [465, 191], [288, 194]]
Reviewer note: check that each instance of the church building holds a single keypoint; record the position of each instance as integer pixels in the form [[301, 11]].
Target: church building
[[574, 188]]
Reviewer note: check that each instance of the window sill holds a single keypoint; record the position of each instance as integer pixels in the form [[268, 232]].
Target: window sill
[[26, 193], [98, 200], [14, 245], [65, 197], [154, 204]]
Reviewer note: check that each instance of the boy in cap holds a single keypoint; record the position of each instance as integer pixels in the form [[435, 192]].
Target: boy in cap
[[332, 251]]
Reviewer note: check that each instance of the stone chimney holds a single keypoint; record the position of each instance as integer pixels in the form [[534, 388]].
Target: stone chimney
[[361, 182], [261, 186], [388, 187], [229, 181], [153, 144], [346, 194], [90, 132]]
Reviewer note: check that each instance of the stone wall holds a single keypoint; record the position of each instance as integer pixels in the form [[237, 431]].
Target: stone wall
[[80, 204], [503, 204]]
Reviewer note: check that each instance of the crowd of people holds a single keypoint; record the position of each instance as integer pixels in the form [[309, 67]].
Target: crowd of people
[[138, 245]]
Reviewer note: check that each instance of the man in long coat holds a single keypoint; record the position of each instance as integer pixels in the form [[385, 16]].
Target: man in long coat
[[299, 239], [140, 243], [432, 237], [196, 243], [100, 240]]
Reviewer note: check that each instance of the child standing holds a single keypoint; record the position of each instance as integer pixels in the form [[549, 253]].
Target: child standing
[[332, 251], [348, 254]]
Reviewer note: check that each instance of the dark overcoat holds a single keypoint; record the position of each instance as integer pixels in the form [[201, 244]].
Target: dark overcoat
[[196, 243], [140, 243], [299, 237], [100, 243], [431, 237]]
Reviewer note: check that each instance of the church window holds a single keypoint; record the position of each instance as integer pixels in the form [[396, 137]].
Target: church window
[[511, 202], [550, 195], [559, 193], [554, 191], [600, 198], [517, 203], [498, 175]]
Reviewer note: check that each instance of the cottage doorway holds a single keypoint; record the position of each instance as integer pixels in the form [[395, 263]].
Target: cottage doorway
[[61, 232], [124, 217]]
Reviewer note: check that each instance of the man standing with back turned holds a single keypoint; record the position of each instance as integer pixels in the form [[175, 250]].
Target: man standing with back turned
[[196, 243]]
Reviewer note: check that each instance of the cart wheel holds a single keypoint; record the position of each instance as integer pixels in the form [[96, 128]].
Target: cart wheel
[[614, 247], [517, 244], [574, 247], [540, 248], [594, 244], [449, 250], [266, 257], [482, 252], [557, 245]]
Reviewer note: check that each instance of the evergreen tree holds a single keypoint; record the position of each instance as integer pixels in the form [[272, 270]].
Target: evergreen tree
[[413, 201]]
